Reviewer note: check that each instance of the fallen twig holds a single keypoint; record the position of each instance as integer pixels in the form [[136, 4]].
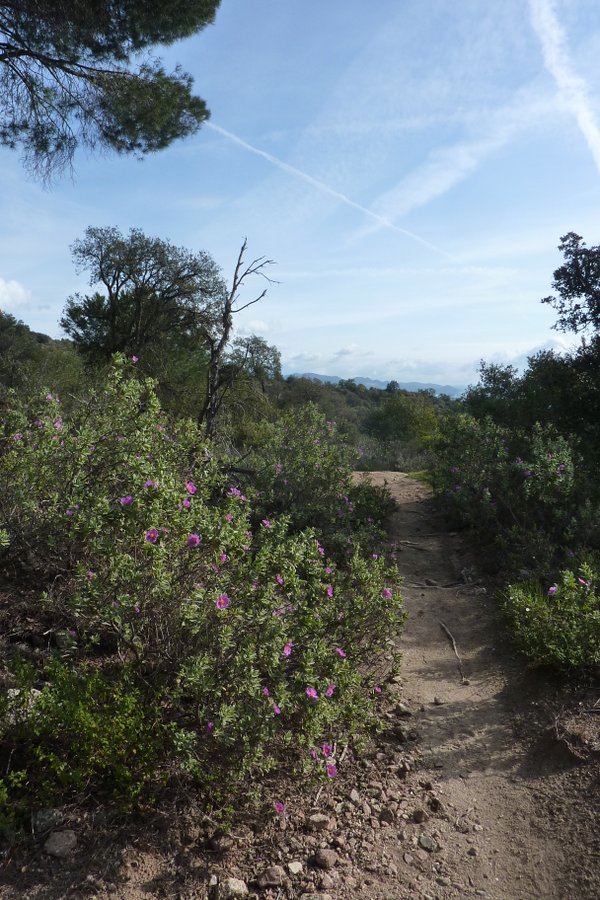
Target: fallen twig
[[450, 636]]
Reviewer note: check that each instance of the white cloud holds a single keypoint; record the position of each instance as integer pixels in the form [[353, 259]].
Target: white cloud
[[13, 295], [573, 90]]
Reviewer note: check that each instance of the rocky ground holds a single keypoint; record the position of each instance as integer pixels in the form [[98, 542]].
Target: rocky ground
[[483, 784]]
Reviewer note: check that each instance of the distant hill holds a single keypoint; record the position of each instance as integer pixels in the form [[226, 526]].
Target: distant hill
[[449, 389]]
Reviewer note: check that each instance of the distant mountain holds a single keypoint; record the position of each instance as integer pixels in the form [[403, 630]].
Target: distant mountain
[[450, 390]]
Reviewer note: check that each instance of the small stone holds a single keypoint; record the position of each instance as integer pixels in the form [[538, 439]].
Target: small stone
[[326, 882], [408, 859], [324, 859], [437, 701], [477, 827], [354, 797], [274, 876], [295, 867], [427, 843], [420, 816], [436, 805], [44, 819], [318, 822], [387, 815], [472, 851], [232, 888], [60, 843], [318, 895], [403, 710]]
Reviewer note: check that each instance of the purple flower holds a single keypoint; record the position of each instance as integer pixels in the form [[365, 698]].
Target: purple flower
[[193, 540], [18, 436], [327, 749], [330, 590], [552, 589], [276, 710], [90, 575], [312, 693], [150, 484], [585, 583], [127, 500], [377, 689], [287, 649], [49, 397], [331, 770], [266, 523], [152, 535], [329, 690], [266, 692], [136, 610], [340, 652], [223, 557], [190, 487], [186, 503], [386, 594], [223, 601], [279, 579], [135, 359], [58, 423], [210, 727], [279, 807], [313, 754], [229, 517]]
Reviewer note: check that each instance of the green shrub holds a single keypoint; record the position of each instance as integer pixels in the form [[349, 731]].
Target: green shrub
[[559, 624], [193, 637]]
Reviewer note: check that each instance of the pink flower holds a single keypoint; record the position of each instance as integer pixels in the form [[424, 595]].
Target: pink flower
[[186, 503], [49, 397], [276, 710], [266, 692], [287, 649], [279, 579], [223, 557], [193, 540], [126, 501], [330, 590], [266, 523], [223, 601], [190, 487], [150, 484], [312, 693], [135, 359], [340, 652], [328, 570], [377, 689], [229, 517], [327, 749], [152, 535], [329, 690], [279, 807], [552, 589], [386, 594], [331, 770], [90, 575]]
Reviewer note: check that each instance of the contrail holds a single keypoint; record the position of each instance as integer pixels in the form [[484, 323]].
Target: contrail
[[572, 88], [325, 189]]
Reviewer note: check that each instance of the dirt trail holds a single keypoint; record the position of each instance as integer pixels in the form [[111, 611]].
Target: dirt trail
[[522, 819]]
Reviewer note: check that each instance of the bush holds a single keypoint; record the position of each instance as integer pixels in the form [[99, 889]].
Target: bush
[[209, 641], [560, 624]]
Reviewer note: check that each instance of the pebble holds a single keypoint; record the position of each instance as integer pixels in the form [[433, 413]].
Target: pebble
[[233, 888], [61, 843], [318, 822], [354, 796], [324, 859], [387, 815], [295, 867], [427, 843], [274, 876], [420, 816]]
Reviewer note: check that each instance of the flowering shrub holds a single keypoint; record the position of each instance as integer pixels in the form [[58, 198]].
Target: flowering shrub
[[559, 624], [193, 636]]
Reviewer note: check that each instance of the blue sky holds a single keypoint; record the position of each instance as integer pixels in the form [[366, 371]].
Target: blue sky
[[410, 165]]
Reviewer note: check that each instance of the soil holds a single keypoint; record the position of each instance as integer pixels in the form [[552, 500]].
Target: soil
[[484, 783]]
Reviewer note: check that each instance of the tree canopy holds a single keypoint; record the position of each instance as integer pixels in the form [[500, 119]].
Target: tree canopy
[[151, 292], [78, 72], [578, 285]]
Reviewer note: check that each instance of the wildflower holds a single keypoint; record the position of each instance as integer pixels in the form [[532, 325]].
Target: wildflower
[[193, 540], [375, 555], [135, 359], [377, 689], [152, 535], [190, 487], [276, 710], [278, 468], [136, 610], [150, 484], [266, 523], [287, 648], [585, 583], [386, 594], [340, 652], [552, 589], [312, 693], [279, 807], [49, 397], [313, 754], [69, 512], [223, 601], [210, 727], [223, 557], [321, 550], [229, 517], [279, 579], [330, 590], [329, 690], [58, 423], [127, 500], [90, 575], [331, 770], [18, 436], [266, 692], [186, 503], [328, 570], [327, 749]]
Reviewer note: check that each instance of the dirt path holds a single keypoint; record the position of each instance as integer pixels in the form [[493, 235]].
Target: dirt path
[[521, 816], [467, 792]]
